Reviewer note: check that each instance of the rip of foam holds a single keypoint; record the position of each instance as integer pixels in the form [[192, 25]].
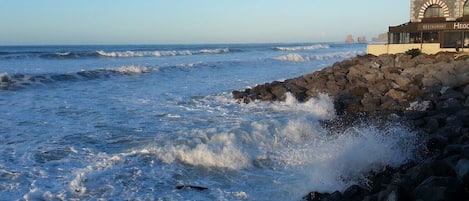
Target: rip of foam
[[295, 57], [219, 150], [322, 106], [131, 69], [299, 48], [103, 162], [127, 54]]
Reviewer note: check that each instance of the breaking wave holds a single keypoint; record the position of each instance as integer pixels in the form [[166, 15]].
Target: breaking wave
[[298, 152], [295, 57], [301, 48], [19, 81], [111, 54]]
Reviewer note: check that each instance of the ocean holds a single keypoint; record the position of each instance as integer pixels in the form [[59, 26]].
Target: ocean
[[155, 122]]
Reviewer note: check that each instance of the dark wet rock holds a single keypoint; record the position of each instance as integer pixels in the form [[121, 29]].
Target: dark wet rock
[[315, 196], [439, 189], [465, 91], [191, 187], [437, 142], [355, 192], [463, 117], [462, 169]]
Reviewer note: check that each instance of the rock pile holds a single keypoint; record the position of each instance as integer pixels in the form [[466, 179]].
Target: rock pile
[[429, 92]]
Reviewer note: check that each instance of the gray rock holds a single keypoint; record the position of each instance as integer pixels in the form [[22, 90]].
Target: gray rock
[[450, 93], [465, 91]]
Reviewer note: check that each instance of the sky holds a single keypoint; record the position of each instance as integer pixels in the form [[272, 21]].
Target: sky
[[54, 22]]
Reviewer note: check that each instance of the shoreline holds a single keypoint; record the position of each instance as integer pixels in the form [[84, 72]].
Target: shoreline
[[429, 93]]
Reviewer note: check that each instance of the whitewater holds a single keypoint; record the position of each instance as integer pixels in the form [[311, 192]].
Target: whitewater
[[157, 122]]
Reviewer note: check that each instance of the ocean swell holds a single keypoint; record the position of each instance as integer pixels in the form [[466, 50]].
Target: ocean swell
[[112, 53], [19, 81]]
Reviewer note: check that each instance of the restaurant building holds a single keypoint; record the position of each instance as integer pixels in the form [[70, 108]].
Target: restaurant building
[[434, 26]]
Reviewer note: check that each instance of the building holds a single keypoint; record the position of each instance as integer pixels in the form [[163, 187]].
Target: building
[[434, 26]]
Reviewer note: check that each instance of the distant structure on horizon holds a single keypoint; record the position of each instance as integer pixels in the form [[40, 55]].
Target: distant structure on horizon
[[434, 26], [381, 38], [361, 39], [349, 39]]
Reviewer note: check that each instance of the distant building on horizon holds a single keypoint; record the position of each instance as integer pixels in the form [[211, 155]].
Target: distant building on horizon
[[434, 26]]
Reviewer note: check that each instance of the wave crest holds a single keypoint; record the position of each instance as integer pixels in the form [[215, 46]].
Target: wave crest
[[19, 81], [126, 54], [301, 48], [295, 57]]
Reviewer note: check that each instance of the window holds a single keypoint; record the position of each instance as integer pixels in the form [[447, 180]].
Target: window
[[416, 37], [430, 37], [434, 11], [466, 9], [452, 40]]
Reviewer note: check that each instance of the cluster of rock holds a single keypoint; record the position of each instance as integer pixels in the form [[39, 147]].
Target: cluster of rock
[[430, 92], [380, 38], [349, 39]]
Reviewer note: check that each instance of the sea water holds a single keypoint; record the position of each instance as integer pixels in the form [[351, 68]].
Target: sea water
[[135, 122]]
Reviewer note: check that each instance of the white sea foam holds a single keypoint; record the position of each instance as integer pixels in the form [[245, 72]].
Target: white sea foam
[[126, 54], [295, 57], [209, 150], [322, 107], [321, 161], [328, 163], [299, 48], [101, 162], [299, 154], [131, 69], [63, 53], [419, 106]]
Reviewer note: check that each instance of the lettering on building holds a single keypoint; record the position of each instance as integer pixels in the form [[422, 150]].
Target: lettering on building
[[458, 25], [434, 26]]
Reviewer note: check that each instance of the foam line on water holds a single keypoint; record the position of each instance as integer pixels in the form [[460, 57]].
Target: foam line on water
[[302, 48], [296, 57]]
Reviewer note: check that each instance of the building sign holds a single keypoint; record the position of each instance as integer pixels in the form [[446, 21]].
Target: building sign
[[432, 26], [443, 26], [459, 25]]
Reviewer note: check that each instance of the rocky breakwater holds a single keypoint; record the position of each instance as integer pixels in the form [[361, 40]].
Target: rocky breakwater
[[430, 93]]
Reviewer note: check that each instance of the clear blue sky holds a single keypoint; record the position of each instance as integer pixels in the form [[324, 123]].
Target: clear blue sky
[[43, 22]]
